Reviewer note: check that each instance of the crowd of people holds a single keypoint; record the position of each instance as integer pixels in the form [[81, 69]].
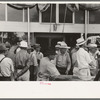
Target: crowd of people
[[19, 62]]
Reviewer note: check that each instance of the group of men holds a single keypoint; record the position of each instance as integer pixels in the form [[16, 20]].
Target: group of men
[[22, 63]]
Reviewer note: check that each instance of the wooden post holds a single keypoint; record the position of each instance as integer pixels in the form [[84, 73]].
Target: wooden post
[[28, 26], [86, 24]]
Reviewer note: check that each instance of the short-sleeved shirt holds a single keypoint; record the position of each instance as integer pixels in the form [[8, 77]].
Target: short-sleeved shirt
[[33, 59], [39, 55], [22, 58], [6, 66], [62, 60], [47, 68], [83, 58]]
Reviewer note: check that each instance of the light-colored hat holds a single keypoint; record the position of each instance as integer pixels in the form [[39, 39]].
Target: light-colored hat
[[64, 45], [80, 41], [23, 44], [58, 44], [92, 45]]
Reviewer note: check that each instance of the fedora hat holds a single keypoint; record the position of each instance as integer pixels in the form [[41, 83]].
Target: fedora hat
[[3, 47], [64, 45], [80, 41], [23, 44], [92, 45], [58, 44]]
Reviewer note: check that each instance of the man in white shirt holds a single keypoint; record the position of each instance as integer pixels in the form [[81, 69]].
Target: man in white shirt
[[93, 55], [83, 59], [6, 65], [47, 68]]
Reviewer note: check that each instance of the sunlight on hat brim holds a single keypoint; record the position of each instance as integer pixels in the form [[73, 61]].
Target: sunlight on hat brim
[[81, 43]]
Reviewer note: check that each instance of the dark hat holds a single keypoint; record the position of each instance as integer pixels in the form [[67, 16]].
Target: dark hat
[[7, 44], [36, 46], [50, 51], [3, 47]]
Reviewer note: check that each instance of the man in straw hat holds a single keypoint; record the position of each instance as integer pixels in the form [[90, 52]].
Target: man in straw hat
[[63, 62], [93, 55], [6, 65], [83, 59], [23, 63]]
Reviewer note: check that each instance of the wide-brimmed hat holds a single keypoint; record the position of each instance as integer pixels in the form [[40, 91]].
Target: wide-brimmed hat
[[50, 51], [58, 44], [64, 45], [92, 45], [23, 44], [80, 41], [3, 47]]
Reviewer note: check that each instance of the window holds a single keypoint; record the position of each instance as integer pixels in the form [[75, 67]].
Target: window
[[34, 15], [14, 14], [69, 14], [2, 12], [25, 15], [80, 16], [94, 17], [47, 13]]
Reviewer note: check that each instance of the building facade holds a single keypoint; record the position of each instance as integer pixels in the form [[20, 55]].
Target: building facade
[[48, 27]]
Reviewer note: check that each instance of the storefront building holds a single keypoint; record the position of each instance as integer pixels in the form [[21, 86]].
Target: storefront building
[[48, 27]]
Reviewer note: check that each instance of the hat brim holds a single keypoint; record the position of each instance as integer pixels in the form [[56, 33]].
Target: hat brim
[[64, 47], [81, 43], [90, 47], [23, 46]]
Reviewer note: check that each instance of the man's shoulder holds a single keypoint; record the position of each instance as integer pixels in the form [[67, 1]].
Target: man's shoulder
[[7, 59]]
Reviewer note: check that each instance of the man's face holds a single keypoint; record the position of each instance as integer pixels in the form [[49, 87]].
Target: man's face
[[63, 50], [38, 49], [52, 57], [93, 50]]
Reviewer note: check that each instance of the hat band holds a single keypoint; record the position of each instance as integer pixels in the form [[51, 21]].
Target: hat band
[[81, 42]]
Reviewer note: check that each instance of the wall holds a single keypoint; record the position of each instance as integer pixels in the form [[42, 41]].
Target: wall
[[38, 27]]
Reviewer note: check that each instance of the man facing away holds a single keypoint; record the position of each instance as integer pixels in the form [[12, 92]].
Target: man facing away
[[23, 63], [83, 59]]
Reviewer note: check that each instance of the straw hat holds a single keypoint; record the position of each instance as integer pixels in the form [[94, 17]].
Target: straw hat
[[64, 45], [80, 41], [23, 44], [58, 44]]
